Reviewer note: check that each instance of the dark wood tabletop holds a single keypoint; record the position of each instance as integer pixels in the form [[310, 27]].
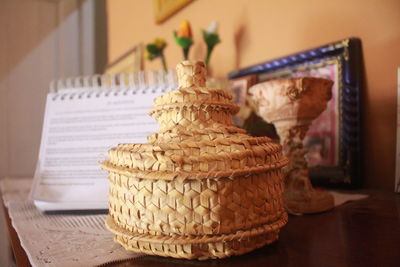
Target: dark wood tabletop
[[360, 233]]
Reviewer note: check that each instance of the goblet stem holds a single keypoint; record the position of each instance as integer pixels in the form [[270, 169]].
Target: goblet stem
[[296, 173], [300, 196]]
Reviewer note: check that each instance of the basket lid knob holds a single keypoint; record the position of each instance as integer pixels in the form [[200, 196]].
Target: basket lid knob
[[191, 73]]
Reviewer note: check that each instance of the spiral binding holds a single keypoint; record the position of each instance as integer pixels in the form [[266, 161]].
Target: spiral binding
[[113, 84]]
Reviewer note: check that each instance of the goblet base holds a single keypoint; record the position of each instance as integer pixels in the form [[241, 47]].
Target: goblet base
[[316, 200]]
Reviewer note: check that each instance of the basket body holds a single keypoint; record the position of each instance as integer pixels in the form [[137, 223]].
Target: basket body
[[211, 215]]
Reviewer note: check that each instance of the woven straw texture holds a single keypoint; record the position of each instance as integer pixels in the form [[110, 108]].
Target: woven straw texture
[[200, 188]]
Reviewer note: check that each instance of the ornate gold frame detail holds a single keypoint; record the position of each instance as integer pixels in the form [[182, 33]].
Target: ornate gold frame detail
[[163, 9]]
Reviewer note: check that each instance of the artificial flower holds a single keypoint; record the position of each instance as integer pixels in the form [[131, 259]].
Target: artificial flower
[[160, 43], [183, 37], [211, 38], [155, 50], [213, 27], [184, 30]]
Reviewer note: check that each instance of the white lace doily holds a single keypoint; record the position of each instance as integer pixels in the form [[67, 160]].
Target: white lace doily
[[59, 240]]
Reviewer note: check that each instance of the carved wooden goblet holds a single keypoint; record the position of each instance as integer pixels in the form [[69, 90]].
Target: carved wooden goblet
[[291, 105]]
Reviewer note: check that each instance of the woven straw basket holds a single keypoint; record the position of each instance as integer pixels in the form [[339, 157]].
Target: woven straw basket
[[201, 188]]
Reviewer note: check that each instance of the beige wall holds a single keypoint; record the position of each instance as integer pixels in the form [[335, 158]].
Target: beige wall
[[253, 31], [40, 41]]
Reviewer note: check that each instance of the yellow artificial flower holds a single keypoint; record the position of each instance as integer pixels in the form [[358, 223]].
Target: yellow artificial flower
[[156, 50], [184, 30], [160, 43], [147, 54]]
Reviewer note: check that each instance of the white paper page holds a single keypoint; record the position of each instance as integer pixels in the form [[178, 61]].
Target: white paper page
[[77, 134]]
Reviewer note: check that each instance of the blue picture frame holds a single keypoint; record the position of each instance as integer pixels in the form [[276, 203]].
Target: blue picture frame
[[347, 171]]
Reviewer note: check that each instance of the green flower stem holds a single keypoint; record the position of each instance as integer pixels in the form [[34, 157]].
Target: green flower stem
[[186, 53], [209, 51], [164, 63]]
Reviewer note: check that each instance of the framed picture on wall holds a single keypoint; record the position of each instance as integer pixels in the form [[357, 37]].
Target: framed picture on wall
[[130, 61], [163, 9], [333, 140]]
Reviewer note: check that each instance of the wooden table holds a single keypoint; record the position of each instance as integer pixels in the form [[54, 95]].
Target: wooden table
[[19, 254], [360, 233]]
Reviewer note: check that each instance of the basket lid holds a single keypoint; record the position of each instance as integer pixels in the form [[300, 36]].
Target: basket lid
[[197, 139]]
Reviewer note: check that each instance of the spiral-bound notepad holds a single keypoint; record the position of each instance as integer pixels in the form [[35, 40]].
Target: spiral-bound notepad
[[84, 117]]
